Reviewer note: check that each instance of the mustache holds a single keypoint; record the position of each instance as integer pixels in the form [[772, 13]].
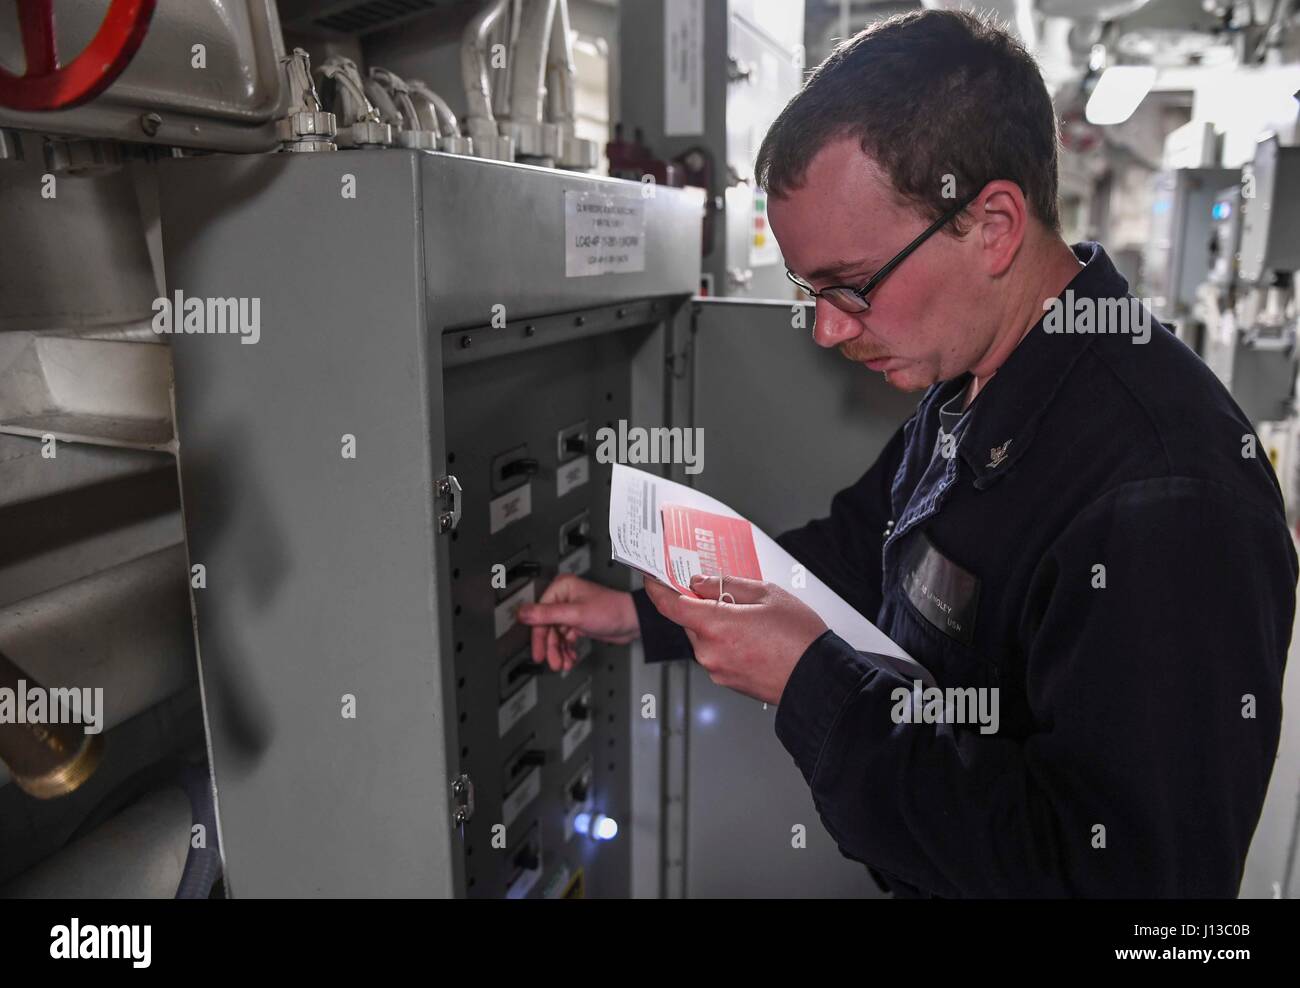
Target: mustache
[[854, 350]]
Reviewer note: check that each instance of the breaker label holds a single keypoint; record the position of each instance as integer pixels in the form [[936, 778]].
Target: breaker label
[[524, 884], [503, 618], [576, 562], [509, 508], [521, 796], [571, 475], [603, 233], [509, 713], [577, 733]]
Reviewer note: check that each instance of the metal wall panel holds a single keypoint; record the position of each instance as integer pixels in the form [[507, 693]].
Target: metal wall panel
[[323, 573], [786, 425]]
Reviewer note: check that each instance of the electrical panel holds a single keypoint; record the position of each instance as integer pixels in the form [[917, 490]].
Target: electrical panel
[[549, 752], [406, 451], [1177, 255], [1271, 214], [709, 114]]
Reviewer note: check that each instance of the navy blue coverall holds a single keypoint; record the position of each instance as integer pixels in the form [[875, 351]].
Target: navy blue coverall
[[1108, 548]]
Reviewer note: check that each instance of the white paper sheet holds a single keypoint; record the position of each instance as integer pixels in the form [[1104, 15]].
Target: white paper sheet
[[636, 503]]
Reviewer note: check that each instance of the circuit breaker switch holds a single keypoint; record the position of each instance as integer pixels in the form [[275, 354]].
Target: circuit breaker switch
[[574, 534], [571, 442], [520, 765], [525, 467], [528, 859], [523, 670], [580, 789], [532, 757], [525, 569]]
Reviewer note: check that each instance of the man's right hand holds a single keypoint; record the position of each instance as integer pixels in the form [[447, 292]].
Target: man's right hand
[[572, 608]]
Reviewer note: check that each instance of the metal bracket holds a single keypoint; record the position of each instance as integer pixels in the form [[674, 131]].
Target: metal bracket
[[739, 70], [462, 792], [449, 490]]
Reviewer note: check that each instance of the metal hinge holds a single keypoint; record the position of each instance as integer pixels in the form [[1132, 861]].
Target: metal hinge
[[448, 490]]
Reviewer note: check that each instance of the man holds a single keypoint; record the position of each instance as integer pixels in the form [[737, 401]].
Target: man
[[1076, 516]]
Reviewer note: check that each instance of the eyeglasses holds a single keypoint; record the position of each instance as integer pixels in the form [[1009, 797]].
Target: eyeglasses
[[846, 298]]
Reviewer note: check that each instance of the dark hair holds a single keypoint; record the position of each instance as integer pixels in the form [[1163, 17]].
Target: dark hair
[[927, 94]]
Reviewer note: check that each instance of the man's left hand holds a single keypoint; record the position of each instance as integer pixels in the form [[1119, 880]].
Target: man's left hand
[[750, 646]]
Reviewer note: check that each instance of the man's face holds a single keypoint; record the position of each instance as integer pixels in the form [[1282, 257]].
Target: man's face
[[928, 320]]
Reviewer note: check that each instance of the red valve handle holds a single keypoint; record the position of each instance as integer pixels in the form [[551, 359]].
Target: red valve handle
[[47, 85]]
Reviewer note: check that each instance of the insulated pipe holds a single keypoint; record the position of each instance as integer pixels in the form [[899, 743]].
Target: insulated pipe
[[480, 121], [527, 85], [126, 629], [140, 853], [561, 72]]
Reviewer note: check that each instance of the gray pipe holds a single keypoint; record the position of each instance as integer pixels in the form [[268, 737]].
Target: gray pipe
[[527, 85], [126, 629], [480, 121], [561, 72]]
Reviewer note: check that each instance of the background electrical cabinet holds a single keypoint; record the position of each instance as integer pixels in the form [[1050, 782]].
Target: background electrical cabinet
[[1178, 257], [691, 104], [1270, 216], [430, 322]]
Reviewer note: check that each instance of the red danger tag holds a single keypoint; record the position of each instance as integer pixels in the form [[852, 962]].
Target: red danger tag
[[700, 542]]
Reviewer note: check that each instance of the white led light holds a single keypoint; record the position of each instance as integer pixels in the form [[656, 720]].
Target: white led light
[[596, 826]]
